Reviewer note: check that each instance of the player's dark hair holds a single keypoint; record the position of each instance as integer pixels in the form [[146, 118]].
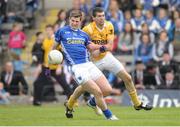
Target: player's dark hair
[[49, 26], [96, 10], [38, 33], [76, 14]]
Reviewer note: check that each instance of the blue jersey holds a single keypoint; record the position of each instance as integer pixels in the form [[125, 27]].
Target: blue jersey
[[74, 44]]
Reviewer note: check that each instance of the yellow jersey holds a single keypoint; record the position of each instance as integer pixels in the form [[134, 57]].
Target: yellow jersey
[[99, 36], [47, 47]]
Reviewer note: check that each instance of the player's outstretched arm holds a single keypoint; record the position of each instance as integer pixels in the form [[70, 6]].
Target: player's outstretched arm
[[93, 47], [101, 48], [109, 45], [55, 45]]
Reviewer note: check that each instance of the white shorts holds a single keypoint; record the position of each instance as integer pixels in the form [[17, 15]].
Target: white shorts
[[110, 63], [86, 71]]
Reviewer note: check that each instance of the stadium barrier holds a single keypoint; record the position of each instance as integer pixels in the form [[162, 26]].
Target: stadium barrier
[[158, 98]]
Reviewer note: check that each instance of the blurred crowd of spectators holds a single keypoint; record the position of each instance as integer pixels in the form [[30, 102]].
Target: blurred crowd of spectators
[[148, 30], [15, 17]]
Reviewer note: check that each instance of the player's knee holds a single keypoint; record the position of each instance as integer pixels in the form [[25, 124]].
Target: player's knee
[[128, 78], [107, 91], [98, 93]]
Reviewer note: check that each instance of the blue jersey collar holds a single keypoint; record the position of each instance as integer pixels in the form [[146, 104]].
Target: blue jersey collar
[[73, 29]]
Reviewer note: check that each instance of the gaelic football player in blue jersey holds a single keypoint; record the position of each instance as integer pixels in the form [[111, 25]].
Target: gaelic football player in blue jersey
[[76, 46]]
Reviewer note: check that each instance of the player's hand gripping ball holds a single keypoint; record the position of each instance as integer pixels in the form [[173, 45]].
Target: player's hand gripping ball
[[55, 57]]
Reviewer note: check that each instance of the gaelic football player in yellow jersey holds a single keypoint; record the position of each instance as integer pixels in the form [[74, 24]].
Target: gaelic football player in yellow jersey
[[101, 32]]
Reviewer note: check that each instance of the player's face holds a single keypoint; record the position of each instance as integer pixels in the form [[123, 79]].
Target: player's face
[[75, 22], [99, 18], [49, 31]]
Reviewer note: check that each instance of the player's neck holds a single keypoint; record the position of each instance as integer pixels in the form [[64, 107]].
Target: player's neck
[[73, 28], [100, 26]]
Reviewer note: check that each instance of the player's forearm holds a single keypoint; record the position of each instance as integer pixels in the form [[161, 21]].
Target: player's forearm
[[55, 45], [93, 47], [109, 45], [102, 48]]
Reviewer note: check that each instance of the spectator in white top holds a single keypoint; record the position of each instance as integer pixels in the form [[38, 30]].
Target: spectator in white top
[[138, 20], [127, 16], [152, 23], [162, 46], [165, 22], [116, 17]]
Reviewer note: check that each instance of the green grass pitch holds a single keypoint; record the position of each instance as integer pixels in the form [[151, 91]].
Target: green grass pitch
[[51, 115]]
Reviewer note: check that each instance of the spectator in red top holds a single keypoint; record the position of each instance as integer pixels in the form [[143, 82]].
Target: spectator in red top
[[17, 39]]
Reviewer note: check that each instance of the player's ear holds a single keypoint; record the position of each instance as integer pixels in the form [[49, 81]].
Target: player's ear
[[93, 18]]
